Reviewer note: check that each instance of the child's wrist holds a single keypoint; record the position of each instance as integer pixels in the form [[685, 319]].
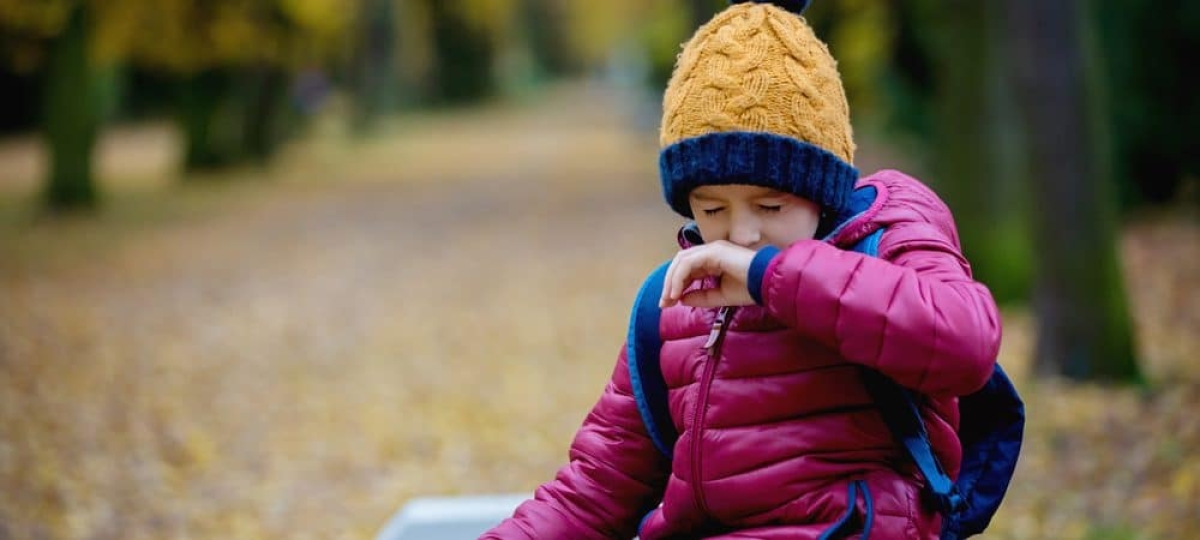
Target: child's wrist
[[758, 269]]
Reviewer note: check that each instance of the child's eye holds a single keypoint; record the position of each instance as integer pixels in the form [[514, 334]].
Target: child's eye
[[770, 207], [713, 211]]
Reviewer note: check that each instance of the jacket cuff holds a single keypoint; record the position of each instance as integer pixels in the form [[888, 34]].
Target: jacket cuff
[[758, 269]]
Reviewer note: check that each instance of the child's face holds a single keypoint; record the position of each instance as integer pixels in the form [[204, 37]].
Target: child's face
[[753, 216]]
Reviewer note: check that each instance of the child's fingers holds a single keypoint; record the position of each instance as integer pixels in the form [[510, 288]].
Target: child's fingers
[[689, 266], [680, 279], [704, 298], [698, 263], [692, 267], [668, 292], [678, 276], [665, 299], [679, 271]]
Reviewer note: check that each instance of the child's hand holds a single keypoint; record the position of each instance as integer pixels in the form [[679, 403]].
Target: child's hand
[[728, 262]]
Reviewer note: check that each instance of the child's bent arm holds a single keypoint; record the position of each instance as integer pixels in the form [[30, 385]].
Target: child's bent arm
[[915, 314], [614, 476]]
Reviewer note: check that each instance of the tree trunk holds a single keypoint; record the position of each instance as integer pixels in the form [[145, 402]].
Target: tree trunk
[[265, 114], [1083, 323], [545, 24], [972, 159], [463, 55], [201, 96], [373, 78], [71, 117], [1153, 110]]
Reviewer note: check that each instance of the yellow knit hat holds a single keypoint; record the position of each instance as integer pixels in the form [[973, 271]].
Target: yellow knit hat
[[756, 98]]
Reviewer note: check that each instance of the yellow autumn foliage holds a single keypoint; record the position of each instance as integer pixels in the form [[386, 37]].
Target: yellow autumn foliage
[[496, 17], [860, 39], [186, 35], [37, 19]]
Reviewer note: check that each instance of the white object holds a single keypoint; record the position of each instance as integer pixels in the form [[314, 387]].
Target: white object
[[450, 518]]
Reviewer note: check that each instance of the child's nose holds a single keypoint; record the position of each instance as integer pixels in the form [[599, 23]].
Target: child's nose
[[745, 232]]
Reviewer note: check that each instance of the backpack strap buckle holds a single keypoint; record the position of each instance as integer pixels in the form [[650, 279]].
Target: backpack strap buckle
[[950, 503]]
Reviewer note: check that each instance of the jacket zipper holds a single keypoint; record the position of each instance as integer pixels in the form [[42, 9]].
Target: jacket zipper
[[713, 346]]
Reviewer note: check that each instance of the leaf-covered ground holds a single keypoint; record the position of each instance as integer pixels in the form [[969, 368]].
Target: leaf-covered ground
[[294, 353]]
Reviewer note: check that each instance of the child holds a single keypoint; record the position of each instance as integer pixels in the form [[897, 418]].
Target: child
[[766, 324]]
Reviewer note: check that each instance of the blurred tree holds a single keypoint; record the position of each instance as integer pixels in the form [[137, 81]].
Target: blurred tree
[[859, 33], [71, 114], [1154, 113], [593, 28], [464, 35], [544, 22], [1083, 323], [700, 11], [221, 49], [55, 36], [265, 120], [461, 51], [373, 77], [946, 86], [19, 93], [233, 60], [414, 53], [667, 26], [210, 139], [145, 94], [664, 30], [231, 114]]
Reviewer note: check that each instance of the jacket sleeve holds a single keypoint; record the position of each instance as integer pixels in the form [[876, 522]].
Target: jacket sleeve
[[914, 313], [615, 475]]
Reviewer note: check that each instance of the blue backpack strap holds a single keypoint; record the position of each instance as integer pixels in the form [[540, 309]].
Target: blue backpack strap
[[644, 345], [898, 407], [900, 412], [992, 424]]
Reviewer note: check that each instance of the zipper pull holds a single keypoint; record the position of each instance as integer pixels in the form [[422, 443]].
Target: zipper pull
[[718, 327]]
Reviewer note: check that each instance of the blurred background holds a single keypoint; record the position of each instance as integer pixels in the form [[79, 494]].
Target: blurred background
[[271, 268]]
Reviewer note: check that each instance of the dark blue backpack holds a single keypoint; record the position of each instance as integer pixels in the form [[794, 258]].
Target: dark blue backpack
[[992, 420]]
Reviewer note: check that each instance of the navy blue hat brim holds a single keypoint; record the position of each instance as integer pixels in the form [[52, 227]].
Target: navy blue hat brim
[[756, 158]]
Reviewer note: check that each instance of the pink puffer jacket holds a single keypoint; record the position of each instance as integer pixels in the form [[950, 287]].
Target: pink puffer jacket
[[775, 425]]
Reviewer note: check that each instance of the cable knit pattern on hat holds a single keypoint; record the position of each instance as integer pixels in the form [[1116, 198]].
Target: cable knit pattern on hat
[[758, 68]]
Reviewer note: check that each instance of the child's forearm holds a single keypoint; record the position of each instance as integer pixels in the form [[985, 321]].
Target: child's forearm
[[919, 318]]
